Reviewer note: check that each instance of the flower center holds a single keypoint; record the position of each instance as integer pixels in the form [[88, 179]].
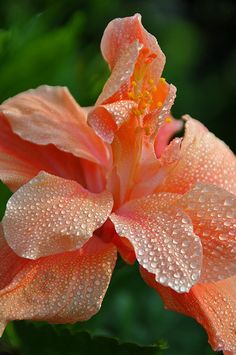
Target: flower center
[[143, 95], [148, 95]]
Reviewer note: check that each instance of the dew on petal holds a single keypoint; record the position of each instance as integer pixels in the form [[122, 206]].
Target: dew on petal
[[58, 222]]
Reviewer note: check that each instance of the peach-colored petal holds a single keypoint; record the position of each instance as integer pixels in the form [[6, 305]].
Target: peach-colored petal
[[62, 288], [126, 148], [152, 171], [14, 173], [165, 133], [171, 153], [106, 119], [123, 41], [157, 117], [10, 263], [163, 239], [213, 305], [147, 177], [203, 158], [213, 213], [168, 103], [117, 86], [51, 215], [125, 249], [20, 160], [94, 176], [120, 33], [50, 115]]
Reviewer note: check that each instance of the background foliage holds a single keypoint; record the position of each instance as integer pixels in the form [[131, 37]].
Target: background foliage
[[57, 43]]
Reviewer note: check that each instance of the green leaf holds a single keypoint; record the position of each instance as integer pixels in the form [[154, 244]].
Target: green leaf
[[49, 340], [5, 194], [4, 40], [37, 55]]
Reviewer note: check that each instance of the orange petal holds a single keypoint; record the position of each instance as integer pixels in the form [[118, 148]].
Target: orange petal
[[126, 149], [157, 117], [117, 86], [50, 115], [51, 215], [147, 176], [164, 135], [63, 288], [11, 263], [203, 158], [213, 305], [125, 249], [171, 153], [105, 120], [152, 171], [20, 160], [213, 213], [122, 42], [163, 239]]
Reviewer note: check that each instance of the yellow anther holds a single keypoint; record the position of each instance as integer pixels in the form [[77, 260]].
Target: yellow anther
[[168, 119], [159, 104], [147, 131], [147, 93], [162, 80], [131, 95], [134, 83], [150, 81], [136, 112]]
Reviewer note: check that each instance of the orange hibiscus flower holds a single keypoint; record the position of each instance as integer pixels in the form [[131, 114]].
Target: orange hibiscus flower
[[88, 182]]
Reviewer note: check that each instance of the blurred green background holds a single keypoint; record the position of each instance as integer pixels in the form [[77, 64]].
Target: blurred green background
[[57, 43]]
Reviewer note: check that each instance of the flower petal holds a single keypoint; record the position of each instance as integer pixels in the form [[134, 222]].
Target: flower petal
[[125, 249], [126, 149], [122, 42], [164, 135], [20, 160], [10, 263], [50, 115], [106, 119], [51, 215], [203, 158], [213, 213], [152, 171], [161, 115], [213, 305], [163, 239], [63, 288], [14, 173], [117, 86]]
